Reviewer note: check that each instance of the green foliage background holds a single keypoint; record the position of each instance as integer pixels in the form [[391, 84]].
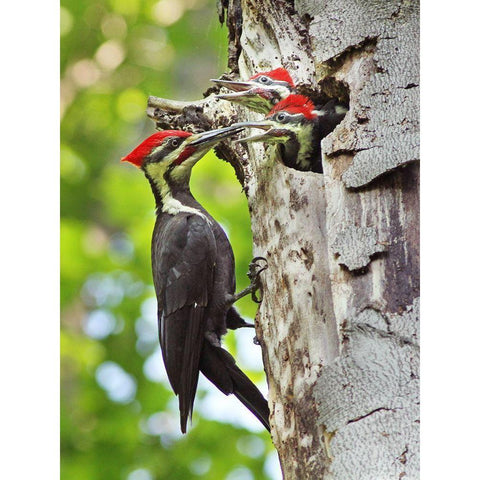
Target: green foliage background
[[119, 419]]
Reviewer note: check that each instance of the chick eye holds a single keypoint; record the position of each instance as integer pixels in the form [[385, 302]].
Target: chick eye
[[281, 117], [174, 142]]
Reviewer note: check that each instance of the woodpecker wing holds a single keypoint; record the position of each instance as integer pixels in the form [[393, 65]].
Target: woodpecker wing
[[183, 262], [329, 116]]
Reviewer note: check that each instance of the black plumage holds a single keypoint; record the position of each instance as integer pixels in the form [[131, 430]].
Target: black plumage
[[194, 277]]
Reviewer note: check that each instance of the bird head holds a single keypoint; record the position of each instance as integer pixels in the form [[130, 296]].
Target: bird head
[[169, 155], [261, 91], [293, 117]]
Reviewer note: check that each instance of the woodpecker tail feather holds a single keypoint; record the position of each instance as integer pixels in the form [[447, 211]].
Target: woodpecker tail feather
[[220, 368], [181, 349]]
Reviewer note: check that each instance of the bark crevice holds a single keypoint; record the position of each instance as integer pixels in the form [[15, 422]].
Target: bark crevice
[[339, 320], [376, 410]]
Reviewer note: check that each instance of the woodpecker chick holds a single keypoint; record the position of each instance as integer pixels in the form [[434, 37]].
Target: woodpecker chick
[[193, 273], [261, 91], [297, 128]]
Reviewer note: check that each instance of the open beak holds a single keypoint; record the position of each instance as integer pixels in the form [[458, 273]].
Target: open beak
[[241, 90], [237, 96], [232, 85], [257, 97], [272, 132], [211, 137]]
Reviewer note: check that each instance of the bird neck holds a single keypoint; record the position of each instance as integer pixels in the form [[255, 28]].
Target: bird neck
[[302, 148], [289, 152], [309, 145], [173, 197]]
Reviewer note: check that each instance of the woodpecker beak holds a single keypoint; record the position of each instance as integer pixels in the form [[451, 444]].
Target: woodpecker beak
[[211, 137], [241, 90], [244, 91], [263, 124], [237, 96], [273, 133], [231, 85]]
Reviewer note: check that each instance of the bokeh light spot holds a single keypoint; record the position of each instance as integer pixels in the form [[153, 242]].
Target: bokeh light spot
[[114, 26], [121, 248], [68, 92], [140, 474], [110, 54], [154, 369], [119, 385], [99, 324], [201, 465], [240, 473], [167, 12], [125, 7], [249, 354], [222, 408], [102, 290], [85, 73], [251, 446], [271, 467], [66, 21], [72, 166], [163, 424], [95, 240], [154, 53], [146, 330], [149, 309]]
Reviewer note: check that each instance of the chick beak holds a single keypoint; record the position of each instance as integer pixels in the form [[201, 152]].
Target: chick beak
[[211, 137], [236, 86], [272, 133]]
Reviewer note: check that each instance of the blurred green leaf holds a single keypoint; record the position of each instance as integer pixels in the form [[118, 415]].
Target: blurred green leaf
[[114, 54]]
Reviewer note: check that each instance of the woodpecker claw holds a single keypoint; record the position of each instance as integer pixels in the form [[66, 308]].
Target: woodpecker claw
[[254, 277]]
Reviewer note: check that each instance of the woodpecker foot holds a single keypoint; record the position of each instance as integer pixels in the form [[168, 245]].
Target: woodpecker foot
[[254, 270]]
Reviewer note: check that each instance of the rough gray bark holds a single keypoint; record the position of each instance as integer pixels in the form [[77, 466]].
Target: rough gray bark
[[338, 323]]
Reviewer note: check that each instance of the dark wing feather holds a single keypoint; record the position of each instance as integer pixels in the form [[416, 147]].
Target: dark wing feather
[[183, 261], [331, 114]]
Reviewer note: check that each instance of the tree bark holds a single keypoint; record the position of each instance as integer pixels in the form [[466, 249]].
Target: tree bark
[[339, 320], [338, 323]]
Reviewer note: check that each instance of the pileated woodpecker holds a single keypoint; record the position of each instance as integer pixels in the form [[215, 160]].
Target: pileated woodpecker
[[260, 92], [193, 273], [297, 128]]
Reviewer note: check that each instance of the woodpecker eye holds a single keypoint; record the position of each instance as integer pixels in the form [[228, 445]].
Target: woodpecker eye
[[281, 117], [174, 142]]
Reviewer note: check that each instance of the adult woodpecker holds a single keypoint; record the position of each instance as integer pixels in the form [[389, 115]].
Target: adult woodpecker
[[297, 128], [260, 92], [193, 273]]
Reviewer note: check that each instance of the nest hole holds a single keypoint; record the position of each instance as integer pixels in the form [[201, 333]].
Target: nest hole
[[329, 88]]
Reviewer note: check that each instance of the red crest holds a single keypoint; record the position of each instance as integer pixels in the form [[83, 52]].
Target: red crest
[[295, 104], [279, 74], [137, 155]]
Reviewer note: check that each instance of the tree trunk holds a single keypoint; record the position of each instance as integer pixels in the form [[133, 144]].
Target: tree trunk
[[338, 323], [339, 320]]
